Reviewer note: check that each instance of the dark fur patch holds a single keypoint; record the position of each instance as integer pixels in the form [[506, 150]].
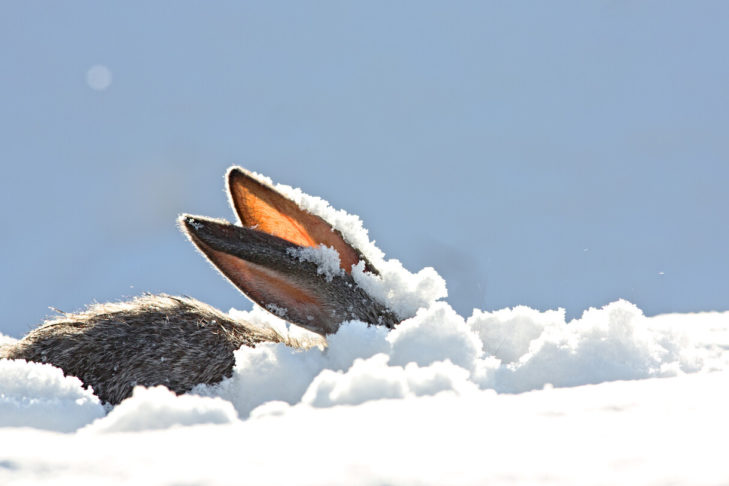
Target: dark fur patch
[[152, 340]]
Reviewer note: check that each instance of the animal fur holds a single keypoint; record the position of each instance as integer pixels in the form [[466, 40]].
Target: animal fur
[[152, 340]]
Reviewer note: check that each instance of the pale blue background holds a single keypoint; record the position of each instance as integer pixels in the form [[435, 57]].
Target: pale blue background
[[552, 154]]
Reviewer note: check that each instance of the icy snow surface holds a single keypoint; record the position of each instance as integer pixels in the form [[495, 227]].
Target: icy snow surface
[[514, 396]]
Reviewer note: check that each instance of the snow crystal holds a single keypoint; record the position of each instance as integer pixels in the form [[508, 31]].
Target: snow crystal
[[277, 310], [325, 257]]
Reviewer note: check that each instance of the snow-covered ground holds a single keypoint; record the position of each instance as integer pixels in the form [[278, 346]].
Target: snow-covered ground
[[515, 396]]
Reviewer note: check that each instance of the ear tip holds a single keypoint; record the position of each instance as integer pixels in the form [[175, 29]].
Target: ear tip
[[237, 172], [185, 222], [191, 224], [239, 180]]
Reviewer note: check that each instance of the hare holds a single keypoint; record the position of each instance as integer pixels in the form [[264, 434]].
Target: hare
[[180, 342]]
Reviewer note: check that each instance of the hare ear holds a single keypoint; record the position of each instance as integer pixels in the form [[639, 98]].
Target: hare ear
[[261, 266], [261, 207]]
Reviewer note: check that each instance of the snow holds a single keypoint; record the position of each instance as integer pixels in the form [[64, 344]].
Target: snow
[[511, 396], [325, 257], [158, 408], [656, 431], [38, 395]]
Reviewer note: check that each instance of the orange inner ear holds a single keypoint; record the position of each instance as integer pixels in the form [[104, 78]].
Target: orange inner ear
[[269, 288], [261, 207], [265, 216], [266, 286]]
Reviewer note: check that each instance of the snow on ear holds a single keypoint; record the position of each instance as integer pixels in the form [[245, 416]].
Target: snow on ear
[[256, 266], [262, 207]]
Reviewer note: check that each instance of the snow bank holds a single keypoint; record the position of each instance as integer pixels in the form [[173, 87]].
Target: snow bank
[[507, 396], [158, 408], [655, 431], [38, 395], [509, 351]]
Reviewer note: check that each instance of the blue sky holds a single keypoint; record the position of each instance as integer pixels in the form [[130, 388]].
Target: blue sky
[[561, 154]]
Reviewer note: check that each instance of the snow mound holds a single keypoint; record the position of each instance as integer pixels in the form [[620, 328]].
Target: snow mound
[[437, 350], [656, 431], [38, 395], [158, 408]]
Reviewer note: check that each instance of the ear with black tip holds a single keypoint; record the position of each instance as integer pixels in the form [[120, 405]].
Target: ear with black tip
[[262, 207]]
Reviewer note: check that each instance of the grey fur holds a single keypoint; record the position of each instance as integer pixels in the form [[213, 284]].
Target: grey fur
[[151, 340]]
